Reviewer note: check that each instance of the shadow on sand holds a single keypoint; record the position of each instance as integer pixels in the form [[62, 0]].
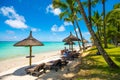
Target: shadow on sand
[[18, 72]]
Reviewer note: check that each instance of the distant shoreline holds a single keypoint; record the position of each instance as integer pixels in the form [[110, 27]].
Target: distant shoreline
[[8, 51]]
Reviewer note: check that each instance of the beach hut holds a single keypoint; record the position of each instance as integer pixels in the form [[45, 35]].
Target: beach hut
[[29, 42]]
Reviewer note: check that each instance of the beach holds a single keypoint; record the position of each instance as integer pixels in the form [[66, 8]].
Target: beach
[[11, 65], [15, 62], [14, 69]]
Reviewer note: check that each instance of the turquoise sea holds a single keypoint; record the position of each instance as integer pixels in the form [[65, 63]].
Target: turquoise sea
[[7, 50]]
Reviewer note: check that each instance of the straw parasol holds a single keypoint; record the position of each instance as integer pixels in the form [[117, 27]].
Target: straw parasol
[[71, 37], [85, 41], [30, 41], [70, 43]]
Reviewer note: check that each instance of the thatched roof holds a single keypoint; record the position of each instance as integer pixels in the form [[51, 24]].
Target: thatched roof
[[71, 37], [30, 41], [85, 41], [69, 43]]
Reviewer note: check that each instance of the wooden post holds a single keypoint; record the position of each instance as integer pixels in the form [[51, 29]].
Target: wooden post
[[69, 46], [72, 46], [30, 61]]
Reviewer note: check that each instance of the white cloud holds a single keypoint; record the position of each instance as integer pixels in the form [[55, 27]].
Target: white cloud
[[55, 28], [55, 11], [67, 23], [77, 29], [11, 38], [14, 20], [35, 29], [16, 23], [15, 37], [61, 28], [10, 32], [86, 34]]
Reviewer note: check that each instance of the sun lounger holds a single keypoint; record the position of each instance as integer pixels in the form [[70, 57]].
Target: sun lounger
[[48, 65], [64, 62], [53, 65], [57, 65], [36, 70]]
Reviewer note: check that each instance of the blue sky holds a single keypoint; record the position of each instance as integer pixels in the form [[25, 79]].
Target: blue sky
[[18, 17]]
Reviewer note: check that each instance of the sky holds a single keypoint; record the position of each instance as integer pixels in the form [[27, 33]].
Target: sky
[[19, 17]]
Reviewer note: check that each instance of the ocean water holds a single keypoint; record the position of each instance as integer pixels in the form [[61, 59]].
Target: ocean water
[[7, 50]]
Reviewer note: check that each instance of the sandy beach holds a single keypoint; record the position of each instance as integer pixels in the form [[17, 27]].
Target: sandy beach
[[14, 69], [11, 66]]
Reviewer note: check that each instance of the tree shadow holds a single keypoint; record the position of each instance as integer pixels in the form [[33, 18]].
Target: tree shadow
[[94, 70], [66, 73]]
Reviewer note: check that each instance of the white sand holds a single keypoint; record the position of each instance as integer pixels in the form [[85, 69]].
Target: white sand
[[12, 69]]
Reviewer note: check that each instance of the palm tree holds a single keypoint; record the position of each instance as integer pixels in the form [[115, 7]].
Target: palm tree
[[116, 6], [104, 25], [90, 4], [80, 34], [113, 19], [70, 12], [97, 21], [95, 38], [71, 19]]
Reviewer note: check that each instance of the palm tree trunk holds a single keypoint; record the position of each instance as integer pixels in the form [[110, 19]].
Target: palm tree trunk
[[95, 38], [80, 34], [104, 26], [76, 35], [89, 12], [98, 31]]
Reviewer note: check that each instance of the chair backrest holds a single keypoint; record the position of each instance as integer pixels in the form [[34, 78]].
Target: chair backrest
[[57, 62], [39, 67]]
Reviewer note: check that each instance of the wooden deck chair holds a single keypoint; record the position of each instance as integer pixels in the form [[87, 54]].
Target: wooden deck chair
[[36, 69]]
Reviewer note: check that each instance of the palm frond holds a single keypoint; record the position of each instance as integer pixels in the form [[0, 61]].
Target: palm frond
[[63, 14], [59, 4]]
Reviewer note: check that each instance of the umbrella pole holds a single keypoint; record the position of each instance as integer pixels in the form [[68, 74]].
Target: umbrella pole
[[69, 46], [72, 47], [30, 56]]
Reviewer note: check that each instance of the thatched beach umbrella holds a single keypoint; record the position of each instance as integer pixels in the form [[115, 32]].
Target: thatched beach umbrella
[[30, 41], [71, 37], [70, 43], [85, 41]]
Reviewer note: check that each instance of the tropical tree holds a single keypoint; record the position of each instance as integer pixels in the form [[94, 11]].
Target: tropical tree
[[116, 6], [71, 19], [112, 20], [95, 38], [97, 23], [104, 25], [89, 4], [69, 14]]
